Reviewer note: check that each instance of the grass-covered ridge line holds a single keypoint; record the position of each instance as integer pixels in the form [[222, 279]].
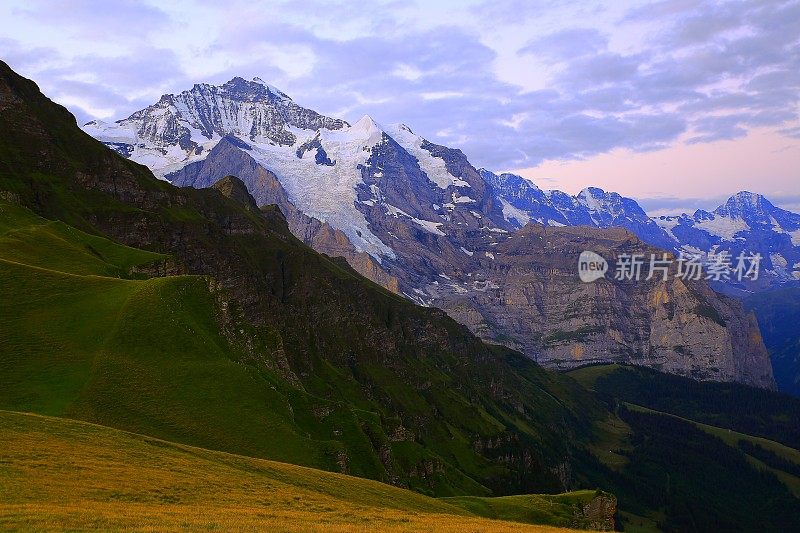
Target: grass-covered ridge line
[[63, 474], [765, 454], [749, 410], [29, 239], [145, 355], [552, 509], [678, 472]]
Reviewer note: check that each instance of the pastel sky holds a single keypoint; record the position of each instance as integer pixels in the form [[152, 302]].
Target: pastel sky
[[678, 103]]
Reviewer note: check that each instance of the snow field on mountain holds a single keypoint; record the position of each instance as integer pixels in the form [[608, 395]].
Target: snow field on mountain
[[328, 193]]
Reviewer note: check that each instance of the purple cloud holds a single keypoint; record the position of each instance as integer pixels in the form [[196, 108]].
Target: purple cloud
[[707, 71]]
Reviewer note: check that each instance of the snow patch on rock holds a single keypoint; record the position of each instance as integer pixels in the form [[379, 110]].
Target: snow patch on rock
[[511, 213], [434, 167], [723, 227]]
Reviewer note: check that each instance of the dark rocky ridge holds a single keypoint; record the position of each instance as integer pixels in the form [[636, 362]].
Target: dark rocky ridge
[[235, 189]]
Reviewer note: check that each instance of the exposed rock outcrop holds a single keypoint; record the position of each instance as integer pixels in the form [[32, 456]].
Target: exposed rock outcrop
[[233, 188], [528, 295], [599, 513]]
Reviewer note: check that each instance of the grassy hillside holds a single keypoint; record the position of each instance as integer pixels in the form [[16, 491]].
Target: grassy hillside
[[672, 470], [749, 410], [82, 337], [58, 474], [781, 460], [138, 354], [552, 509], [31, 240]]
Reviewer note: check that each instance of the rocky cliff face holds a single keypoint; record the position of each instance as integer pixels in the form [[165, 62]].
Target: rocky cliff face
[[599, 514], [527, 294]]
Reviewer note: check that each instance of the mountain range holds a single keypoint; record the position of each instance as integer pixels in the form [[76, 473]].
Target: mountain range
[[419, 219], [174, 319], [745, 223], [293, 142]]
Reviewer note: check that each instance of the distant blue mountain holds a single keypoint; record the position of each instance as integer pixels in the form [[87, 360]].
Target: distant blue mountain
[[745, 223]]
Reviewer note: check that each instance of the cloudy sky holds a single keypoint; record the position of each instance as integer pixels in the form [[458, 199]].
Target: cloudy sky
[[678, 103]]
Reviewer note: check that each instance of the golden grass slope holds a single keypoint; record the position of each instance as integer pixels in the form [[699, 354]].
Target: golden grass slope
[[58, 474]]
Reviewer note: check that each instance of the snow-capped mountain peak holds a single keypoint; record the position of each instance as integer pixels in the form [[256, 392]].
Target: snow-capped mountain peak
[[182, 128], [350, 177], [508, 180], [523, 201], [435, 167], [272, 89], [595, 199], [745, 223], [742, 211], [246, 90], [746, 205], [609, 208], [366, 128]]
